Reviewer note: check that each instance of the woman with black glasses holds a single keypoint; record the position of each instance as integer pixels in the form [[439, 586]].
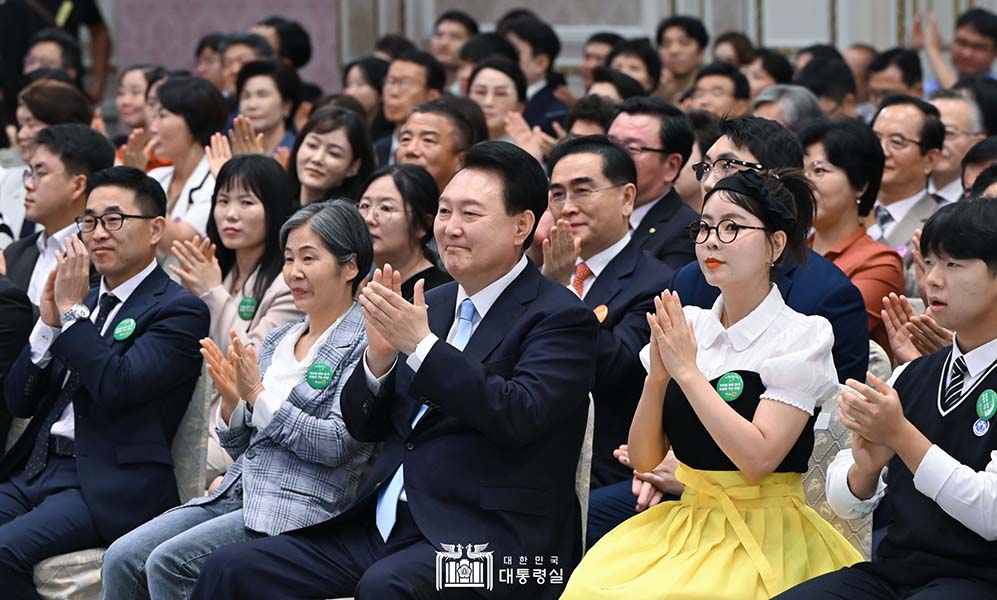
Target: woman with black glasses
[[734, 391]]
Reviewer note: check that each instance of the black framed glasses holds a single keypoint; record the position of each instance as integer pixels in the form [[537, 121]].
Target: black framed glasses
[[110, 221], [724, 167], [727, 230]]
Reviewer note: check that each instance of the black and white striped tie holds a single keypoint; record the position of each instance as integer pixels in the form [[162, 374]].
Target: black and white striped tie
[[954, 390]]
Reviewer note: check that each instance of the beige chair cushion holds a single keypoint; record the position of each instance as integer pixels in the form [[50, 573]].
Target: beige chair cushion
[[76, 576], [583, 474]]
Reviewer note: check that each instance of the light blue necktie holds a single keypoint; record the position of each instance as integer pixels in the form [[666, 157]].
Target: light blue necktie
[[387, 502]]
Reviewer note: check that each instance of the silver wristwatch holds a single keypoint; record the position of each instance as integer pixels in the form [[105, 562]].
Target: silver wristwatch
[[75, 312]]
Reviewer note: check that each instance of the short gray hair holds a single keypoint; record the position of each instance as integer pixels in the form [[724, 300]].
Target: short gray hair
[[800, 106], [342, 230], [978, 126]]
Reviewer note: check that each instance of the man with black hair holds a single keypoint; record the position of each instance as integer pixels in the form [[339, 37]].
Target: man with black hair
[[923, 440], [289, 40], [637, 58], [833, 83], [413, 78], [208, 59], [479, 393], [68, 17], [985, 184], [451, 31], [894, 71], [980, 156], [974, 47], [239, 49], [106, 376], [538, 47], [682, 42], [858, 56], [435, 136], [721, 89], [594, 54], [590, 115], [55, 49], [963, 123], [65, 158], [614, 85], [659, 139], [805, 55], [912, 135]]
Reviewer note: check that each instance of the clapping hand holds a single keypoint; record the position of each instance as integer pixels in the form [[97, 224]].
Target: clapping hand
[[138, 149], [560, 250], [244, 138], [222, 372], [400, 323], [872, 411], [219, 151], [247, 369], [673, 343], [199, 270]]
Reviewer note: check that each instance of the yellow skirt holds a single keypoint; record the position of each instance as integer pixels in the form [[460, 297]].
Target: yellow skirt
[[725, 538]]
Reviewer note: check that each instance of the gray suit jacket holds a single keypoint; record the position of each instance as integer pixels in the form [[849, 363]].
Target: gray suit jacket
[[901, 238], [304, 467]]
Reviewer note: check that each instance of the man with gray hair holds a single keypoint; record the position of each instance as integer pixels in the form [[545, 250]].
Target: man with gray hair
[[793, 106], [963, 128]]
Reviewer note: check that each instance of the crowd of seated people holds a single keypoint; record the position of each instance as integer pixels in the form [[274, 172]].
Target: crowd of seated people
[[455, 315]]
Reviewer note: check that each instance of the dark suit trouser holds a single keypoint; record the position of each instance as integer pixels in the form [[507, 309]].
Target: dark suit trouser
[[858, 584], [326, 561], [40, 518], [609, 506]]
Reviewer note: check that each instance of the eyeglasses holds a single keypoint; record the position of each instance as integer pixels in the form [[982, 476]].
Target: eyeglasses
[[381, 213], [714, 92], [634, 149], [110, 221], [722, 167], [897, 142], [36, 176], [560, 196], [951, 132], [726, 230], [401, 84]]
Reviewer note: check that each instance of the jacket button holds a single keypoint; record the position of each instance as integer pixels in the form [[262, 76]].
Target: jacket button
[[250, 454], [409, 446]]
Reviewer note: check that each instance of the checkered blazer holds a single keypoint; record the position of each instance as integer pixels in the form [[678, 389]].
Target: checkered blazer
[[304, 467]]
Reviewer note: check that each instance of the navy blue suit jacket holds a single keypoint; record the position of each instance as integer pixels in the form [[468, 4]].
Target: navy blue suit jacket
[[544, 108], [131, 398], [664, 231], [494, 460], [626, 287], [382, 150], [817, 288]]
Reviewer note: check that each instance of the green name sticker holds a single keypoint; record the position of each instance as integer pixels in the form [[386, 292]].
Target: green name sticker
[[319, 375], [986, 405], [730, 386], [124, 329], [247, 308]]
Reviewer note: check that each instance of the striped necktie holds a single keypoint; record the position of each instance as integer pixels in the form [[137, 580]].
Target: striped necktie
[[953, 391]]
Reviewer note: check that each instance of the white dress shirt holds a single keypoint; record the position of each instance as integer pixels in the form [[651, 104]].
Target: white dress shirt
[[949, 193], [640, 212], [42, 337], [597, 263], [47, 245], [285, 372], [966, 495], [534, 88], [898, 210]]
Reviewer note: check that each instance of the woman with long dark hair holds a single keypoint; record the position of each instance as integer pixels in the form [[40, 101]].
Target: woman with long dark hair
[[332, 157]]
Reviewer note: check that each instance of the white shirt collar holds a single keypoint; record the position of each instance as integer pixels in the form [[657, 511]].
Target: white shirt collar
[[123, 291], [640, 212], [486, 297], [598, 261], [56, 241], [899, 209], [748, 329], [533, 89], [951, 192], [978, 359]]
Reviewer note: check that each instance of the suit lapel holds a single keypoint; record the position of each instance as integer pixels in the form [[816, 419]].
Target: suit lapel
[[609, 283], [659, 214], [903, 231], [507, 308], [21, 267], [141, 300]]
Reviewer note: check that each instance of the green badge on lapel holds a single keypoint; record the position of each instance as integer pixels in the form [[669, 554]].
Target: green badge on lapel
[[124, 329], [319, 375], [730, 386], [247, 308], [986, 405]]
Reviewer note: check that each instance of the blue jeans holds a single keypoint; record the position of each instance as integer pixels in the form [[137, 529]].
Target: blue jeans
[[162, 558]]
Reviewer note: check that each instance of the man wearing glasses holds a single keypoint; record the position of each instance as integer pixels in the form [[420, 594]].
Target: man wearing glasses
[[912, 135], [963, 128], [55, 183], [659, 139], [107, 375], [413, 78]]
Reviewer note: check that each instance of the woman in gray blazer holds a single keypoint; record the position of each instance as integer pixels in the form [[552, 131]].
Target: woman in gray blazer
[[279, 417]]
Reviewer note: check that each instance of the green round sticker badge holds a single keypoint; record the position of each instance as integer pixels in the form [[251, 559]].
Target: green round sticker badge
[[730, 386], [319, 375], [986, 405], [124, 329], [247, 308]]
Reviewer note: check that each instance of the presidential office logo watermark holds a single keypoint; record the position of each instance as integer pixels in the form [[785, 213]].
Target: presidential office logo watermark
[[464, 567], [470, 566]]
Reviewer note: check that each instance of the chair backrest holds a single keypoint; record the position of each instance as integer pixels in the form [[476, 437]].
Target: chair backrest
[[583, 474], [190, 445], [879, 361]]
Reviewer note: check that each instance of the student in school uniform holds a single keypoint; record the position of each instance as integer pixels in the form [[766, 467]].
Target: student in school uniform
[[925, 442]]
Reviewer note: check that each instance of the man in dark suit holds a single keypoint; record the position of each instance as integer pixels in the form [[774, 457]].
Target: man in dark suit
[[592, 189], [107, 376], [817, 288], [415, 77], [538, 47], [65, 157], [15, 325], [480, 400], [659, 138]]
